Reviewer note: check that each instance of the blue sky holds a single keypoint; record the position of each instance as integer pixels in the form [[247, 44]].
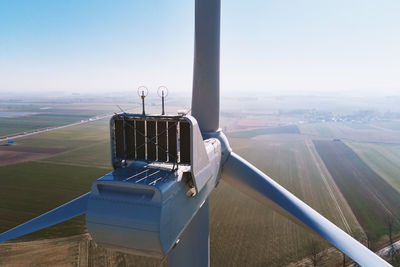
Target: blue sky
[[271, 46]]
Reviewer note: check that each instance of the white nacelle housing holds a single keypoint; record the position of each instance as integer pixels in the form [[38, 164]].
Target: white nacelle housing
[[144, 205]]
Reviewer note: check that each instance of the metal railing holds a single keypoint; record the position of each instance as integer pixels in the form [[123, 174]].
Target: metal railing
[[150, 138]]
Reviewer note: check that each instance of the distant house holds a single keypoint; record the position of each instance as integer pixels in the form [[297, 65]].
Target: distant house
[[336, 140]]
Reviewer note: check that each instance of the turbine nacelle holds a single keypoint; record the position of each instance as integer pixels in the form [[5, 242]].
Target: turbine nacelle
[[165, 169], [164, 172]]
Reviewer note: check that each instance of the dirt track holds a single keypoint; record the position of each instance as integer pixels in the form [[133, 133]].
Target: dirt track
[[324, 173]]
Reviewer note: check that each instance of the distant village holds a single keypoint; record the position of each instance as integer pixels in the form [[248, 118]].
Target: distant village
[[361, 116]]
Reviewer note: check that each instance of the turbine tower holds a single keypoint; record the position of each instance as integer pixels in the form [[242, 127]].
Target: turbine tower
[[155, 202]]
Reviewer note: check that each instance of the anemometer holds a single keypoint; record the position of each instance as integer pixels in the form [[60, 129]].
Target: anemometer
[[142, 93], [162, 92]]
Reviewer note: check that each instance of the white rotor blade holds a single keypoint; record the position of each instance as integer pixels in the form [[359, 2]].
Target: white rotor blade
[[205, 95], [60, 214], [259, 186]]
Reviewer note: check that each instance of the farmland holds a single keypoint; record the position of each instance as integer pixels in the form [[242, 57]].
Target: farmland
[[383, 159], [47, 114], [288, 129], [355, 132], [77, 250], [371, 198], [41, 184], [15, 154], [95, 155], [392, 125], [38, 121], [75, 137], [261, 236], [243, 232], [264, 237], [32, 188]]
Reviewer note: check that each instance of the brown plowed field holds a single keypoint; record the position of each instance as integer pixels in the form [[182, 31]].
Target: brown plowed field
[[78, 250], [15, 154]]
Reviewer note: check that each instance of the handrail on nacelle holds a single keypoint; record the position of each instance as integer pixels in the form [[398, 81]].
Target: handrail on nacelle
[[149, 138]]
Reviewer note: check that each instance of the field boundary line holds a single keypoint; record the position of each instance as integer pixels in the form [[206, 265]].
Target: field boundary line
[[324, 179], [79, 148], [48, 129], [374, 166], [72, 150], [73, 164]]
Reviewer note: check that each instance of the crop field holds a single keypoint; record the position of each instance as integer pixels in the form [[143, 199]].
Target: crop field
[[46, 115], [289, 129], [351, 132], [255, 120], [78, 250], [32, 188], [317, 130], [393, 125], [371, 198], [383, 159], [96, 155], [74, 137], [38, 121], [243, 232], [15, 153]]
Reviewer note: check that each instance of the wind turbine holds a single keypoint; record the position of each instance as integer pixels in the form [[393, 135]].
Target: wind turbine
[[155, 202]]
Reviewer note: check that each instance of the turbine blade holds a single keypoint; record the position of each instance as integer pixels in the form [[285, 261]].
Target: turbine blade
[[259, 186], [60, 214], [205, 95]]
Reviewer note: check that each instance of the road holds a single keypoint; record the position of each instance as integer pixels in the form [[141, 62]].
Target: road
[[24, 134], [386, 251]]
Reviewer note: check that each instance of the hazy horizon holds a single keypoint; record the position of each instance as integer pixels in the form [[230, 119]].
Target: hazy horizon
[[268, 46]]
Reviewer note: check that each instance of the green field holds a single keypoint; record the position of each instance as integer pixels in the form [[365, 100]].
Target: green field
[[289, 129], [355, 132], [88, 144], [95, 155], [32, 188], [243, 232], [371, 198], [39, 121], [347, 188], [75, 137], [57, 114], [383, 159], [317, 129], [29, 189]]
